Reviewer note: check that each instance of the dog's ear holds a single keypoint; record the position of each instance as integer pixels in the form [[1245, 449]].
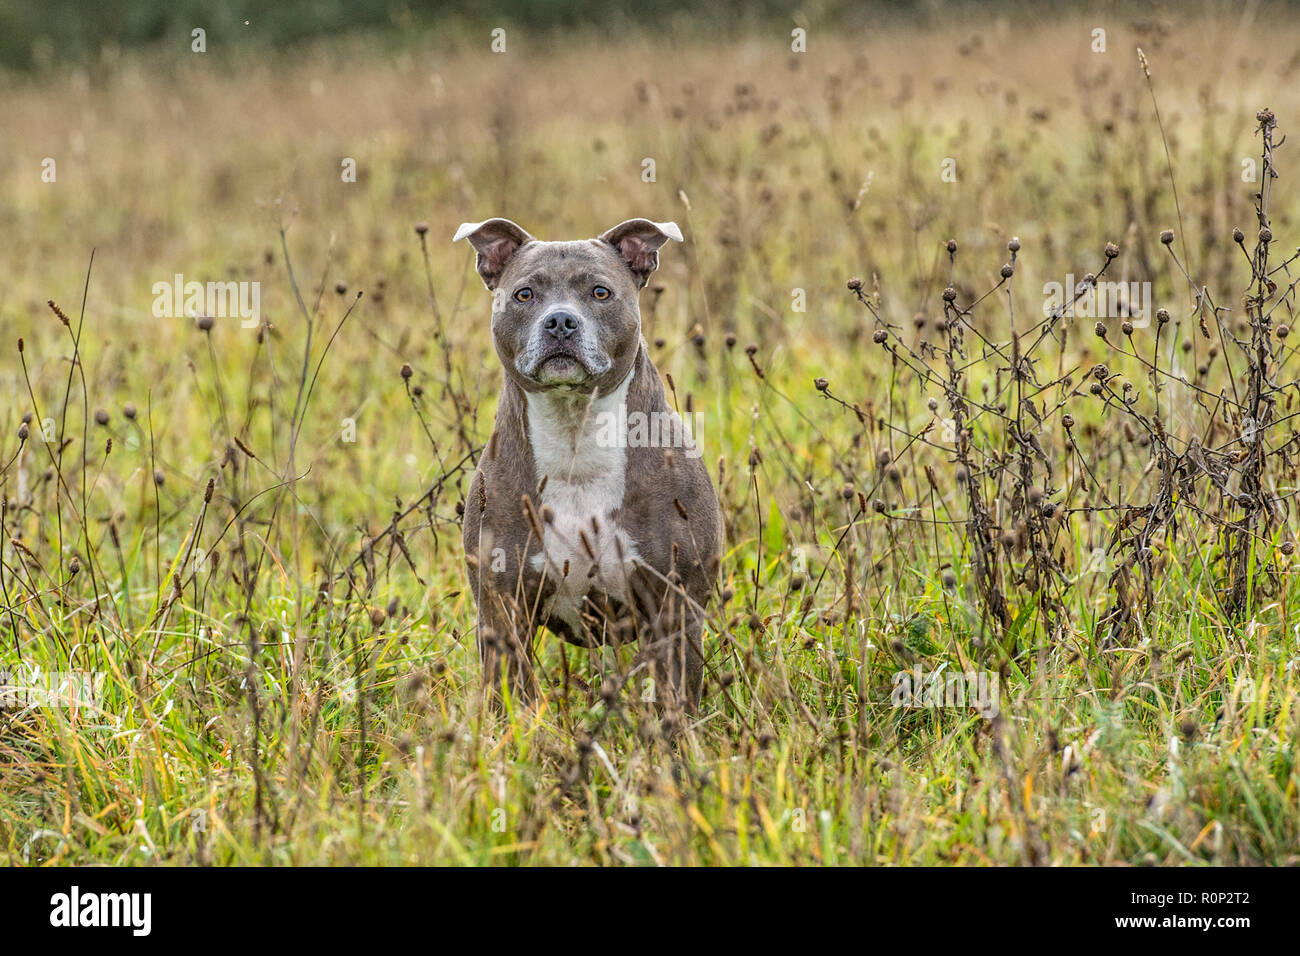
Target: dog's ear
[[495, 241], [638, 242]]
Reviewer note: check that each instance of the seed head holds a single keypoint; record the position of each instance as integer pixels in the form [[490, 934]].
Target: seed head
[[1100, 329], [1265, 234], [1238, 236], [204, 322], [63, 316], [128, 411], [101, 417], [950, 294], [1112, 250], [406, 371], [855, 283], [1007, 270], [951, 246], [880, 336], [1167, 237], [821, 384], [1014, 244]]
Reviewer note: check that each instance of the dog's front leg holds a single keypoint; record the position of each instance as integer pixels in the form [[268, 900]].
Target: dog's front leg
[[506, 647], [670, 627]]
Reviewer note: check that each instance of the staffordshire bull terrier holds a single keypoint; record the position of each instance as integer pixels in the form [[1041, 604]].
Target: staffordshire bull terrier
[[591, 512]]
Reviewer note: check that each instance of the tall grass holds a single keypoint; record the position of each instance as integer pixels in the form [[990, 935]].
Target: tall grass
[[250, 536]]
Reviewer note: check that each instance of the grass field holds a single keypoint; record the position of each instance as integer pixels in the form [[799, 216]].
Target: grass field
[[249, 538]]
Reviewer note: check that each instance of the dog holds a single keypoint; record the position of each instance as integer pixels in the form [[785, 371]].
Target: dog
[[570, 523]]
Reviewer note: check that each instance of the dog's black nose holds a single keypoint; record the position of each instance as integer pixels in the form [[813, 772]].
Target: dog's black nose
[[561, 324]]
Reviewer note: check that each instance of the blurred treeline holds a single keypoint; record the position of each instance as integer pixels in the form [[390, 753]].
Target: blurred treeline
[[38, 35]]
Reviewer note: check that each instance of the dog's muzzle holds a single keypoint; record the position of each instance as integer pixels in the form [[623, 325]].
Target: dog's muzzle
[[562, 351]]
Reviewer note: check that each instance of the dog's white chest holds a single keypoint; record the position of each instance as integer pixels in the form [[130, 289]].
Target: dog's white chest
[[586, 477]]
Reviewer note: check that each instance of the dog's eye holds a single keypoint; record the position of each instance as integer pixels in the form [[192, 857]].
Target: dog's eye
[[600, 292], [523, 295]]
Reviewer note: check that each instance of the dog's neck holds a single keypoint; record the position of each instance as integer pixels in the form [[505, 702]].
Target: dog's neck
[[569, 430]]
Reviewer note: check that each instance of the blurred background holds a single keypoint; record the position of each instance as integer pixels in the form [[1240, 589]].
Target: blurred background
[[39, 35]]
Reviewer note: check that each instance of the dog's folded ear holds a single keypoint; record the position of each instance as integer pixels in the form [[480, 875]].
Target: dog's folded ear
[[495, 241], [638, 242]]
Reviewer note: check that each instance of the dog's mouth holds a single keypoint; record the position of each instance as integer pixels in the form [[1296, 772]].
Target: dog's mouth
[[560, 368]]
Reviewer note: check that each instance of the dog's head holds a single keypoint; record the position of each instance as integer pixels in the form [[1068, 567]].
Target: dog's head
[[565, 314]]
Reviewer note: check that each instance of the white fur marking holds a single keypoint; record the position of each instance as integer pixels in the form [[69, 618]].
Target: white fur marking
[[584, 479]]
